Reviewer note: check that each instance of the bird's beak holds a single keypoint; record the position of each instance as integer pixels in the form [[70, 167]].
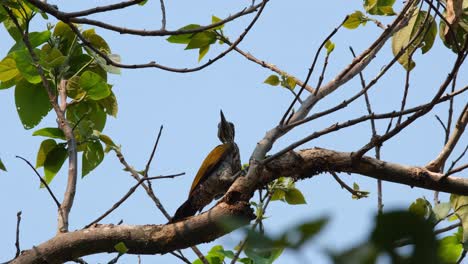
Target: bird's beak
[[224, 123]]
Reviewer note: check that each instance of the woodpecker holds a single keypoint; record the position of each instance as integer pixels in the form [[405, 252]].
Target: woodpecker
[[216, 174]]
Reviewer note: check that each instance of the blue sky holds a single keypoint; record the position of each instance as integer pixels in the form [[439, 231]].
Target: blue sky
[[287, 35]]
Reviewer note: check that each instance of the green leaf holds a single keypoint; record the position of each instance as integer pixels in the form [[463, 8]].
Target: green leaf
[[96, 40], [290, 82], [32, 103], [54, 161], [183, 38], [297, 235], [11, 83], [2, 166], [107, 67], [108, 141], [441, 210], [450, 249], [379, 7], [26, 66], [90, 113], [202, 52], [294, 196], [92, 157], [420, 207], [13, 30], [121, 248], [215, 19], [52, 57], [460, 206], [394, 226], [263, 256], [51, 132], [201, 39], [366, 253], [354, 20], [330, 46], [73, 88], [143, 2], [404, 37], [8, 69], [278, 194], [110, 105], [63, 31], [46, 146], [35, 38], [94, 85], [272, 80]]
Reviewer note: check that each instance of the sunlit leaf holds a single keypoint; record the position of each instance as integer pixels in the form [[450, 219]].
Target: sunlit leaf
[[294, 196], [121, 248], [51, 132], [26, 66], [330, 46], [354, 20], [46, 146], [401, 40], [201, 40], [215, 19], [441, 210], [450, 249], [96, 88], [272, 80], [183, 38], [8, 69], [202, 52]]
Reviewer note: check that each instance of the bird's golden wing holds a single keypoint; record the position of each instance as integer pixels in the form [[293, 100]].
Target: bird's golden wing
[[210, 163]]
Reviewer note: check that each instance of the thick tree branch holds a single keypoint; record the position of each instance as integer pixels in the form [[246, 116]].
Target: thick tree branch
[[160, 239]]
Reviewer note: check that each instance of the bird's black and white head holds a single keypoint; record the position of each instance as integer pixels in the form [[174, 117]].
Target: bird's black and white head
[[225, 130]]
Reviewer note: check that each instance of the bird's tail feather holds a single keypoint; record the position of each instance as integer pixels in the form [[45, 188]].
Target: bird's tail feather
[[185, 210]]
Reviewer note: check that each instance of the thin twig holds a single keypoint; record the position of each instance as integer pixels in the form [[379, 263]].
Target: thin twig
[[436, 164], [163, 14], [153, 64], [459, 61], [407, 85], [458, 169], [352, 122], [343, 185], [456, 161], [42, 181], [152, 153], [101, 9], [309, 73], [442, 125], [374, 135], [155, 199], [265, 64], [145, 173], [257, 222], [17, 241], [128, 194], [68, 17]]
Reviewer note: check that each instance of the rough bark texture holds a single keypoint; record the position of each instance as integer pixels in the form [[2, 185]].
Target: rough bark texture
[[160, 239]]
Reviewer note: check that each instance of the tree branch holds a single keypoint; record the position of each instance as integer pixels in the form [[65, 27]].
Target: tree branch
[[160, 239], [437, 163]]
